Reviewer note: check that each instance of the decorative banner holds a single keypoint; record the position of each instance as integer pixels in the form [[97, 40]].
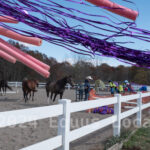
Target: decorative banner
[[24, 60], [116, 8], [8, 19], [7, 57]]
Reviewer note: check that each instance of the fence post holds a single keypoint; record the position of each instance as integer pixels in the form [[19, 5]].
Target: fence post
[[117, 112], [69, 87], [139, 113], [64, 124], [16, 84]]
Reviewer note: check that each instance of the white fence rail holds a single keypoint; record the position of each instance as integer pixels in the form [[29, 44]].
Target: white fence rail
[[68, 86], [19, 84], [63, 111], [41, 84]]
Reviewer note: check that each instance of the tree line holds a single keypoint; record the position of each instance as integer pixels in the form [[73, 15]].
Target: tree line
[[79, 70]]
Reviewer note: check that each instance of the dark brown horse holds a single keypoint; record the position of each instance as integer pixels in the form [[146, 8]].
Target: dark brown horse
[[4, 86], [57, 87], [28, 88]]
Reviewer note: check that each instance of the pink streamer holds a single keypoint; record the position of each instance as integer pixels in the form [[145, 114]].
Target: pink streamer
[[43, 65], [8, 19], [24, 60], [7, 57], [116, 8], [19, 37]]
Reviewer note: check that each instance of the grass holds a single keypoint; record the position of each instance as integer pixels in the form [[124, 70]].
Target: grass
[[112, 141], [138, 141]]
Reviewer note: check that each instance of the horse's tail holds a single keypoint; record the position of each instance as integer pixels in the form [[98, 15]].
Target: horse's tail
[[7, 86]]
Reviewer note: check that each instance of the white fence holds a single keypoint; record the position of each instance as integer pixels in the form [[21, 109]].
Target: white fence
[[19, 84], [41, 84], [63, 111], [68, 86]]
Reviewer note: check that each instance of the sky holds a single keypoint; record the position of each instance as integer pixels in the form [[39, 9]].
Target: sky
[[61, 54]]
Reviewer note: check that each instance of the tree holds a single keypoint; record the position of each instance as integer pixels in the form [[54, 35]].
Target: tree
[[141, 77]]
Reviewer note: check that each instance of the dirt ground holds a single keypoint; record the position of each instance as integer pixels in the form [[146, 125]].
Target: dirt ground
[[19, 136]]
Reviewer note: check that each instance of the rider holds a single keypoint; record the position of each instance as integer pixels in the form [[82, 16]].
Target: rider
[[120, 88], [99, 84], [80, 89], [113, 87], [87, 86]]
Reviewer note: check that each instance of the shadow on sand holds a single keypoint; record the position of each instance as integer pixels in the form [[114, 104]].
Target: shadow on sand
[[5, 99]]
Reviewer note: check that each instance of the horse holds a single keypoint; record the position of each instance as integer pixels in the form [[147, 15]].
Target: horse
[[29, 87], [4, 86], [99, 85], [58, 87]]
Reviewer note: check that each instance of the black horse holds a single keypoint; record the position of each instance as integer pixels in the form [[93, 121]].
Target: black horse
[[57, 87], [4, 86]]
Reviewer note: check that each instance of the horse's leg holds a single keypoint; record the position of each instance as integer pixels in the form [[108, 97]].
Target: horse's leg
[[54, 97], [48, 96], [29, 94], [51, 95], [61, 95], [47, 92], [32, 95], [26, 96], [1, 90], [5, 89]]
